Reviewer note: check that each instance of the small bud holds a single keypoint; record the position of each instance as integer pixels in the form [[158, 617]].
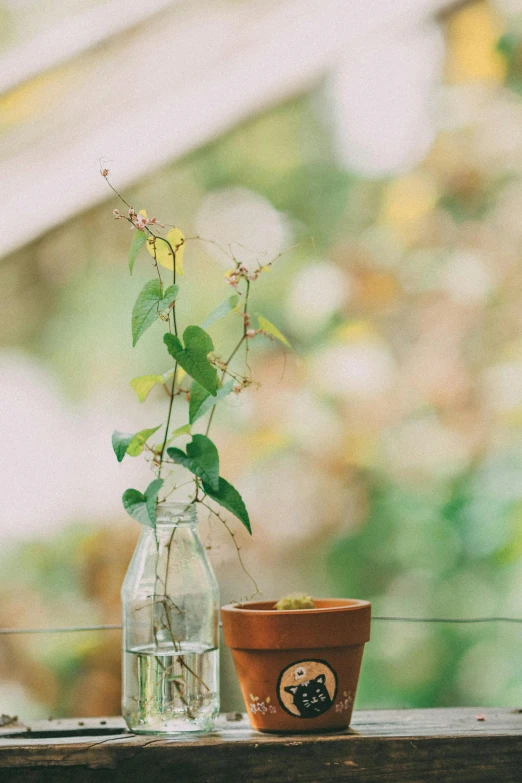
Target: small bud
[[295, 601]]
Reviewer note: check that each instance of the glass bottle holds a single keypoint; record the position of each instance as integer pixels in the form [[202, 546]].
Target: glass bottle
[[170, 601]]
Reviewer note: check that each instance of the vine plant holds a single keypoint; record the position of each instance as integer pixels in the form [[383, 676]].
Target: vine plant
[[199, 375]]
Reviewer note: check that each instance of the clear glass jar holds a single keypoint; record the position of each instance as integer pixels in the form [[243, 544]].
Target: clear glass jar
[[170, 601]]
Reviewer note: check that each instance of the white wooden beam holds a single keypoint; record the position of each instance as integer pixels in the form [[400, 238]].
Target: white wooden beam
[[178, 81], [72, 36]]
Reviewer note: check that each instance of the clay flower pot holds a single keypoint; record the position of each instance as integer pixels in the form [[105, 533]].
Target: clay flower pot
[[298, 669]]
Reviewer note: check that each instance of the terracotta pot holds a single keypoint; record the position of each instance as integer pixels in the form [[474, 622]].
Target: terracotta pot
[[298, 669]]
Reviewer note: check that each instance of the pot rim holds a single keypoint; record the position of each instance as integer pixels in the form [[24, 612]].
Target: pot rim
[[255, 608], [335, 622]]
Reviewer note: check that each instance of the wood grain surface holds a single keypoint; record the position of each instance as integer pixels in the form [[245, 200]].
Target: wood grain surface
[[408, 746]]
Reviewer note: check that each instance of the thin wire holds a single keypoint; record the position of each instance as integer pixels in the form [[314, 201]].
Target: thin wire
[[67, 629], [451, 619], [456, 620]]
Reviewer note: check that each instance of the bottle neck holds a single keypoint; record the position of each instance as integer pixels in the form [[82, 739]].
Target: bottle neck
[[176, 514]]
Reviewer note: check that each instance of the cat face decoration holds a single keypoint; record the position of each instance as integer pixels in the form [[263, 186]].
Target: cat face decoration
[[306, 689]]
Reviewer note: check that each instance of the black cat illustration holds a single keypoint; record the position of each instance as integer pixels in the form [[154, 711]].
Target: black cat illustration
[[311, 697]]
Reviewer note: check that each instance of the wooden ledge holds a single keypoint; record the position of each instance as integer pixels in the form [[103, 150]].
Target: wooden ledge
[[401, 746]]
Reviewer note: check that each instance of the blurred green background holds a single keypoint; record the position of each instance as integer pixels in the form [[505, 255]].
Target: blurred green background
[[381, 460]]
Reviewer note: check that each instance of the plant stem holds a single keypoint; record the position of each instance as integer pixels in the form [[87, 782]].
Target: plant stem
[[236, 349], [171, 403], [173, 387]]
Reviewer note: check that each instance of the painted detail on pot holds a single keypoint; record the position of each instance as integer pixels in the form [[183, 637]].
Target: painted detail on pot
[[344, 704], [261, 705], [307, 689]]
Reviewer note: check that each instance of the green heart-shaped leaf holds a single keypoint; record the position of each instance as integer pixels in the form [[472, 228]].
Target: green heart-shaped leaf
[[145, 310], [144, 384], [201, 401], [138, 240], [184, 430], [148, 306], [202, 459], [131, 443], [142, 507], [138, 442], [120, 443], [268, 327], [151, 496], [135, 504], [220, 311], [169, 297], [193, 357], [228, 497]]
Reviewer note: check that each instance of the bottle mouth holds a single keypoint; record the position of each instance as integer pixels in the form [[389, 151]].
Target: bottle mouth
[[176, 513]]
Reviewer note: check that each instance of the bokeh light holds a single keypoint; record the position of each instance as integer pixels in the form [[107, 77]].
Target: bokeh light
[[381, 457]]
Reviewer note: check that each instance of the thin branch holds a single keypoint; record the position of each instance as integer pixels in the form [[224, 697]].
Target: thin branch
[[238, 548]]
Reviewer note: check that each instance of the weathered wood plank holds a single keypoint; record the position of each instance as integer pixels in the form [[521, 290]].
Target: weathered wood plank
[[395, 746]]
